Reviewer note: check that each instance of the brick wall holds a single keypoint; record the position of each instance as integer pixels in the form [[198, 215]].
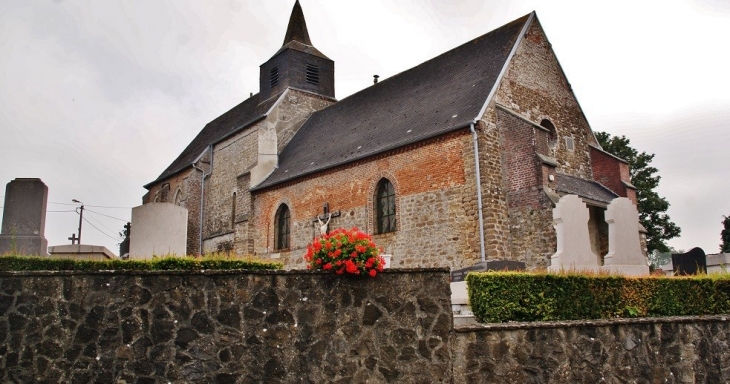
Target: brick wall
[[435, 205], [612, 173]]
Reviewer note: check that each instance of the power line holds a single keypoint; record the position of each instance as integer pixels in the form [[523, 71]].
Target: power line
[[111, 217], [93, 206], [104, 233], [104, 206], [62, 211], [100, 223]]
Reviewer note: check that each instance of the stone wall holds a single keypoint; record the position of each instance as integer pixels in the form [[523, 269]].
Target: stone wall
[[225, 327], [238, 155], [536, 87], [293, 327], [661, 350], [435, 205]]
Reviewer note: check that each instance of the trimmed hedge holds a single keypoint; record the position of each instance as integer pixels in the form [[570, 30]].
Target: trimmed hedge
[[44, 263], [510, 296]]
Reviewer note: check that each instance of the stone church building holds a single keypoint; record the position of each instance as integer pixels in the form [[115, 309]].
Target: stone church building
[[456, 160]]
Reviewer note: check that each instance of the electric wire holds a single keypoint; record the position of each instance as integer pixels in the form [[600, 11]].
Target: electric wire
[[111, 217], [99, 221], [104, 233]]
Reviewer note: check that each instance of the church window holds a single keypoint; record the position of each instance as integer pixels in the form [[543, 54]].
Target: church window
[[282, 229], [552, 134], [312, 74], [178, 197], [385, 207], [274, 77]]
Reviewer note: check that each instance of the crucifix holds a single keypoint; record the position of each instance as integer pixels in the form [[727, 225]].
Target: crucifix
[[73, 239], [324, 219]]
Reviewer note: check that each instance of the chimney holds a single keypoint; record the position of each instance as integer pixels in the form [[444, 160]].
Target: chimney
[[375, 79]]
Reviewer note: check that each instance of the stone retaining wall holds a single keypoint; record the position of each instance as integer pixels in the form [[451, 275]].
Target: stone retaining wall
[[300, 327], [651, 350], [224, 327]]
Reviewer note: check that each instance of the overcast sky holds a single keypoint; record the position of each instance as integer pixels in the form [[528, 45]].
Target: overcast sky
[[98, 97]]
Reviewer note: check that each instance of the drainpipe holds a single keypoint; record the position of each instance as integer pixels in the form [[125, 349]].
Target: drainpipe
[[202, 198], [479, 191]]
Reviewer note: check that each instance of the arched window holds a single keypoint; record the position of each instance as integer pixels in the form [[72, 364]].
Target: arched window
[[552, 135], [385, 207], [178, 197], [282, 229]]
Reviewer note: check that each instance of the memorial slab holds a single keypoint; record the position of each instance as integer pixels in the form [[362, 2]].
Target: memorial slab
[[574, 253], [693, 262], [624, 246], [81, 252], [158, 229], [24, 217]]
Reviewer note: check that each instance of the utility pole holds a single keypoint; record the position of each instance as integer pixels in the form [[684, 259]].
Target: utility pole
[[81, 217]]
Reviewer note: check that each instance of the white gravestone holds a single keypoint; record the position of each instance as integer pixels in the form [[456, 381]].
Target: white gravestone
[[158, 229], [624, 247], [570, 218]]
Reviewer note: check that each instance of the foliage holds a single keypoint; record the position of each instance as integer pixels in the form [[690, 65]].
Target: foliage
[[652, 207], [170, 263], [725, 235], [658, 259], [510, 296], [345, 251]]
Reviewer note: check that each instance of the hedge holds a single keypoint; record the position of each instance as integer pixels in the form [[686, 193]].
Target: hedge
[[170, 263], [511, 296]]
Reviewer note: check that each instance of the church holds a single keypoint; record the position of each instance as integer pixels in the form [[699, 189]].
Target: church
[[455, 161]]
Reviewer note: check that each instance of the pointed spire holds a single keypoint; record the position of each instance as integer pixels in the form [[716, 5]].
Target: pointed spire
[[297, 29]]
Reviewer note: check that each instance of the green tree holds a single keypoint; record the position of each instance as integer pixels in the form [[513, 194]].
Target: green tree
[[652, 207], [725, 235]]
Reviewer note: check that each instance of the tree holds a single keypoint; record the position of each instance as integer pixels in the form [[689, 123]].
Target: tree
[[652, 207], [725, 235]]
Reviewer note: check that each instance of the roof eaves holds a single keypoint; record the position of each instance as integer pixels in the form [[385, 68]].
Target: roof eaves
[[505, 66]]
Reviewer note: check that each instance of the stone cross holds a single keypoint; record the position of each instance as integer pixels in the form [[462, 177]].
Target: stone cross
[[570, 218], [326, 216], [624, 247], [73, 239]]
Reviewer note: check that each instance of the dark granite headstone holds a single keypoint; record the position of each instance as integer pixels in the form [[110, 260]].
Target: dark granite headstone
[[489, 265], [693, 262], [24, 218], [124, 245]]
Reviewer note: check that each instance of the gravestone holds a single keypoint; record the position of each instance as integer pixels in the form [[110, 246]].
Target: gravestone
[[158, 229], [624, 246], [693, 262], [24, 218], [574, 253]]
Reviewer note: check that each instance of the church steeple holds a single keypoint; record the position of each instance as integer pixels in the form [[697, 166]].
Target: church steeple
[[297, 64], [297, 29]]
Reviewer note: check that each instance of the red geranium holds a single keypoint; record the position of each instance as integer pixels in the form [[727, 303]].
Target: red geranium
[[345, 251]]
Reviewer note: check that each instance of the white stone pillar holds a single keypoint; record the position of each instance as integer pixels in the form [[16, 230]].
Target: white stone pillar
[[574, 253], [624, 247]]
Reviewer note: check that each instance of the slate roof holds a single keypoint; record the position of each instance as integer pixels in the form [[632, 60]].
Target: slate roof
[[439, 96], [584, 188], [238, 118]]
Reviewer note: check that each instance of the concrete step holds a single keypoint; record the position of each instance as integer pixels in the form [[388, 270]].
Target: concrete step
[[464, 320]]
